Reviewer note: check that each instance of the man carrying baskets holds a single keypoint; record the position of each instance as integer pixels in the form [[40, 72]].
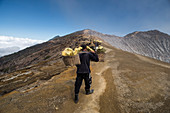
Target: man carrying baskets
[[83, 71]]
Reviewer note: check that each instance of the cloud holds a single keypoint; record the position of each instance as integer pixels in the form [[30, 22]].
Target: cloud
[[10, 45], [8, 50]]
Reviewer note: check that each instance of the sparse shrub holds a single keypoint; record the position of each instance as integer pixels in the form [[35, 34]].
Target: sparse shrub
[[47, 57], [6, 70]]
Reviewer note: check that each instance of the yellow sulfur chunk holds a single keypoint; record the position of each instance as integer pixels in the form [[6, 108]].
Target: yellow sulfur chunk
[[100, 47], [76, 51], [63, 53], [99, 41], [80, 48], [68, 52]]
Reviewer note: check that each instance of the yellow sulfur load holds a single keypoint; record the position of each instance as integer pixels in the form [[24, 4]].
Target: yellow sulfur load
[[99, 41], [100, 50], [70, 57], [100, 47], [67, 52], [77, 50], [70, 52]]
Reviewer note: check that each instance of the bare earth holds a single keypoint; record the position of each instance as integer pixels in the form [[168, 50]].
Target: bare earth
[[124, 83]]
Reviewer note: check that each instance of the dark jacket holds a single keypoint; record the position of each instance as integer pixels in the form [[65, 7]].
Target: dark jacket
[[85, 58]]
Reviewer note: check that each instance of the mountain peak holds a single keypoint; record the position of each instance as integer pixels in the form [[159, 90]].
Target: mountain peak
[[86, 31], [154, 31], [55, 37], [150, 32]]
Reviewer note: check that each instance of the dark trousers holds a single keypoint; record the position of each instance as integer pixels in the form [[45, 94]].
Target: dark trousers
[[79, 79]]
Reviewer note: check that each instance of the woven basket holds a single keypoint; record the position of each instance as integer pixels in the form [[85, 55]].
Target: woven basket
[[71, 60], [77, 60]]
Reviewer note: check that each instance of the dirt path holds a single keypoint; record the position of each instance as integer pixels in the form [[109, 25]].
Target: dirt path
[[91, 103]]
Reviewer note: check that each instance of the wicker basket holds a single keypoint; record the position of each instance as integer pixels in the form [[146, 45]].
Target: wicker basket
[[71, 60]]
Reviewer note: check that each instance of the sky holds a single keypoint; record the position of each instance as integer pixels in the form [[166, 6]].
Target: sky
[[44, 19]]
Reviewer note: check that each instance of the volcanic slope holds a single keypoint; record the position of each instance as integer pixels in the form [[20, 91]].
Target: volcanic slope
[[153, 43], [124, 83]]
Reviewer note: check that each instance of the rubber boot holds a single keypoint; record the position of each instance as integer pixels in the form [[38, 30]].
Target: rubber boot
[[88, 91], [76, 99]]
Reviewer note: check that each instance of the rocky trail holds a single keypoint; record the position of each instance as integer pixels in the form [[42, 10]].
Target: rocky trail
[[124, 83]]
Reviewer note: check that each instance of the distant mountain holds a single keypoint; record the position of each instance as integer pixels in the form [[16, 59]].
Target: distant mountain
[[55, 37], [154, 43]]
